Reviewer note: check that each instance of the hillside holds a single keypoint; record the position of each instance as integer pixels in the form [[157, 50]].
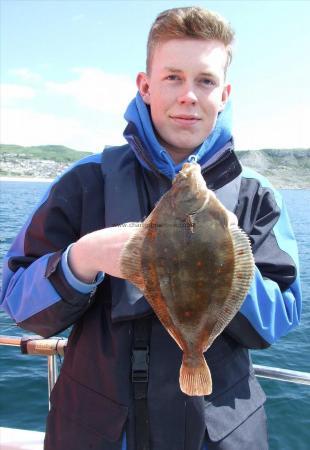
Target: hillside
[[284, 168], [46, 161], [57, 153]]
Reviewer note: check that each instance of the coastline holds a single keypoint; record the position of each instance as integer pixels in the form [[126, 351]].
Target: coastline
[[32, 179]]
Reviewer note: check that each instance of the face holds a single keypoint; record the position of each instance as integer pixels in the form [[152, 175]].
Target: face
[[185, 90]]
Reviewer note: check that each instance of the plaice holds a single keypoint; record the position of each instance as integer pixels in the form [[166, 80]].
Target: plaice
[[194, 268]]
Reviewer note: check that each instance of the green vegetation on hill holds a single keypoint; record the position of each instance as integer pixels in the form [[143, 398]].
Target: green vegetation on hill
[[57, 153]]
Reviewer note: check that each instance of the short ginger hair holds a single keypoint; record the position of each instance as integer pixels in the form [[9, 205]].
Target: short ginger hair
[[189, 22]]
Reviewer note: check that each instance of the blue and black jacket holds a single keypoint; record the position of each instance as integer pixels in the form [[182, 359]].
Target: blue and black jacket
[[42, 295]]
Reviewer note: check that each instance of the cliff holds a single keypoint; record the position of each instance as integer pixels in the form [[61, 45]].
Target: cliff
[[286, 169]]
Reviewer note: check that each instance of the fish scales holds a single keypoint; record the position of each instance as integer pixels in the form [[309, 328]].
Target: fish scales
[[193, 267]]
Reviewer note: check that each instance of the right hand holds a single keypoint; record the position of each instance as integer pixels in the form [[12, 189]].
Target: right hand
[[99, 251]]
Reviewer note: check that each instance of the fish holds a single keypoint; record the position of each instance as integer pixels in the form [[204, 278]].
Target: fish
[[194, 266]]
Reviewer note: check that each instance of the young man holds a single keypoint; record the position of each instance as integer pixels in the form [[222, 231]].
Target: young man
[[118, 386]]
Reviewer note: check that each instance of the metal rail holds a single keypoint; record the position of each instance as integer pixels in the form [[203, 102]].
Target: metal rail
[[274, 373], [36, 345]]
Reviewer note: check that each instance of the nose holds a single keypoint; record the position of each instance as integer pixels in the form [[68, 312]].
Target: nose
[[188, 95]]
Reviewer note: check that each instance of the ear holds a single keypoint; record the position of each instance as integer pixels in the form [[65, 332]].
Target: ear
[[225, 96], [143, 86]]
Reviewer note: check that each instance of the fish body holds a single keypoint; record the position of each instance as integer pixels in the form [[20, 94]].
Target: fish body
[[194, 268]]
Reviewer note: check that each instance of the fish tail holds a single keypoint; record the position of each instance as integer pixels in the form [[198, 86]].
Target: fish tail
[[195, 377]]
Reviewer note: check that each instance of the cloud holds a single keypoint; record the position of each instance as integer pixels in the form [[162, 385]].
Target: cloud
[[27, 127], [25, 74], [97, 90], [91, 119], [287, 128], [13, 92]]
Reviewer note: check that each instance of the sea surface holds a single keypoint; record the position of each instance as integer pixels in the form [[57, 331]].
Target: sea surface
[[23, 379]]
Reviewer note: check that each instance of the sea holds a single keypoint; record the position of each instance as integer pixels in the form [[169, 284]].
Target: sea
[[23, 378]]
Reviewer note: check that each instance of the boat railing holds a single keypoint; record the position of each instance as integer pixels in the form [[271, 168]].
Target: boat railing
[[55, 347], [36, 345]]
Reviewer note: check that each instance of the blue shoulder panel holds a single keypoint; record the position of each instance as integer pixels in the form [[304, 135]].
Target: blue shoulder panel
[[271, 312]]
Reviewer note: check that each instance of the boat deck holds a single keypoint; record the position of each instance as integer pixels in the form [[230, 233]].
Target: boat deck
[[15, 439]]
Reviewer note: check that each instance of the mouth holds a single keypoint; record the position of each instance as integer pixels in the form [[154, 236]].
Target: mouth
[[185, 119]]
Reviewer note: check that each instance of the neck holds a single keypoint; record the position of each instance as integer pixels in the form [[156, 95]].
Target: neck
[[179, 155]]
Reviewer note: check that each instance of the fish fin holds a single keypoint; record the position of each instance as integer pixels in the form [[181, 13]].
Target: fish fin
[[130, 259], [195, 380], [242, 279]]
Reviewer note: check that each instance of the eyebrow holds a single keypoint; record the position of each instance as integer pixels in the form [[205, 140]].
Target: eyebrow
[[174, 70]]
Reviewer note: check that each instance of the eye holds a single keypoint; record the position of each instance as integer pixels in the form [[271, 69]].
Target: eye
[[208, 82], [172, 77]]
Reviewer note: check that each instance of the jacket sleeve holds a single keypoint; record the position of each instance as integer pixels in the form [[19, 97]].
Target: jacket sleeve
[[272, 306], [36, 292]]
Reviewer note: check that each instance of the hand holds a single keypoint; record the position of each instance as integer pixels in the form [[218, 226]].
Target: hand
[[99, 252]]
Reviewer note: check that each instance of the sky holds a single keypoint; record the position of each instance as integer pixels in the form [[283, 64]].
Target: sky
[[68, 70]]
